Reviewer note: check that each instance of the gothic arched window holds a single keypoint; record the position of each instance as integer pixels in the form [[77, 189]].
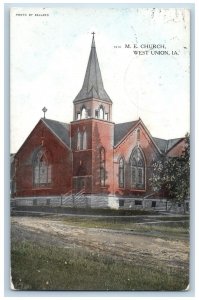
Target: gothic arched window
[[78, 140], [83, 113], [41, 169], [81, 140], [101, 113], [121, 173], [102, 167], [137, 165], [84, 140], [138, 134]]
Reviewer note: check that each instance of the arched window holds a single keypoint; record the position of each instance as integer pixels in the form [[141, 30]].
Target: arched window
[[96, 113], [137, 165], [102, 167], [83, 113], [78, 115], [81, 140], [101, 113], [84, 138], [138, 134], [78, 140], [41, 169], [121, 173]]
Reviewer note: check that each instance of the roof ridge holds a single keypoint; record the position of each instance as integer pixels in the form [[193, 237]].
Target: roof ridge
[[176, 139], [60, 122], [158, 138], [126, 122], [167, 139]]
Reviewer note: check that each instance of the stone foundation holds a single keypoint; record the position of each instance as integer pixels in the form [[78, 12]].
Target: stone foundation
[[100, 201]]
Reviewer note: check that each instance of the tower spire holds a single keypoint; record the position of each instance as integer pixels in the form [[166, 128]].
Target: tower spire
[[93, 85], [93, 39]]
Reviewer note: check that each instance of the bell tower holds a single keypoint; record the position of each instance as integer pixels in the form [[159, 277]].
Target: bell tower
[[92, 132], [92, 101]]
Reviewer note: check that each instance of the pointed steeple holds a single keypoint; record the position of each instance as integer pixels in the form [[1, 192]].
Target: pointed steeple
[[93, 85], [93, 41]]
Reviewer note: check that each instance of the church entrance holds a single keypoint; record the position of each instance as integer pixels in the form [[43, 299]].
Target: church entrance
[[80, 183]]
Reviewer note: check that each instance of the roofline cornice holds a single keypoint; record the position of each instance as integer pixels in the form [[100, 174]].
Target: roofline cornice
[[95, 99]]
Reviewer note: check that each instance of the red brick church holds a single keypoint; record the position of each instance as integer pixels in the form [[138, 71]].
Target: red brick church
[[92, 156]]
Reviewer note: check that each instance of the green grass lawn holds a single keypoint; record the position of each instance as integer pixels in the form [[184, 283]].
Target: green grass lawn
[[37, 267], [173, 228], [86, 211]]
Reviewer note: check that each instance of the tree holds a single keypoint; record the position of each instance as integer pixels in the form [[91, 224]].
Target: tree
[[171, 176]]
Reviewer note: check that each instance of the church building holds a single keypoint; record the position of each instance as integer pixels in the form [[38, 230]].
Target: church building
[[92, 161]]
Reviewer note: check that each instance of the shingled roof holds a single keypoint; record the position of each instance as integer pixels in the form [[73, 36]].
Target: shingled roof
[[165, 145], [93, 85], [60, 129], [120, 130]]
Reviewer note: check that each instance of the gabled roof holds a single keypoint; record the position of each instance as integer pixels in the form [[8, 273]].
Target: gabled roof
[[166, 145], [60, 129], [173, 142], [120, 130], [93, 85], [161, 143]]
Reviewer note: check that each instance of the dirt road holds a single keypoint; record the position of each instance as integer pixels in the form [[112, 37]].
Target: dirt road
[[123, 245]]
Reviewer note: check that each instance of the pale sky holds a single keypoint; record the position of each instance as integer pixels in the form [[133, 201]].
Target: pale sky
[[49, 56]]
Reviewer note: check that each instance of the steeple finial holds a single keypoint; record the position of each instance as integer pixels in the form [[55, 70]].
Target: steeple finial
[[93, 40]]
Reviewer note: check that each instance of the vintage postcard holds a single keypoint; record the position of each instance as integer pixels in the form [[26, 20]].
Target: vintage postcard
[[100, 166]]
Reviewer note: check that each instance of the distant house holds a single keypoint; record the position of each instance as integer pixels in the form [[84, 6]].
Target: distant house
[[92, 155]]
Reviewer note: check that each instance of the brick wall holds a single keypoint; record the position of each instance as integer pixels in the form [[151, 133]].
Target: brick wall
[[60, 160], [124, 149]]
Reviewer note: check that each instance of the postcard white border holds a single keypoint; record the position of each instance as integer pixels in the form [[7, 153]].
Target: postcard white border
[[5, 158]]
